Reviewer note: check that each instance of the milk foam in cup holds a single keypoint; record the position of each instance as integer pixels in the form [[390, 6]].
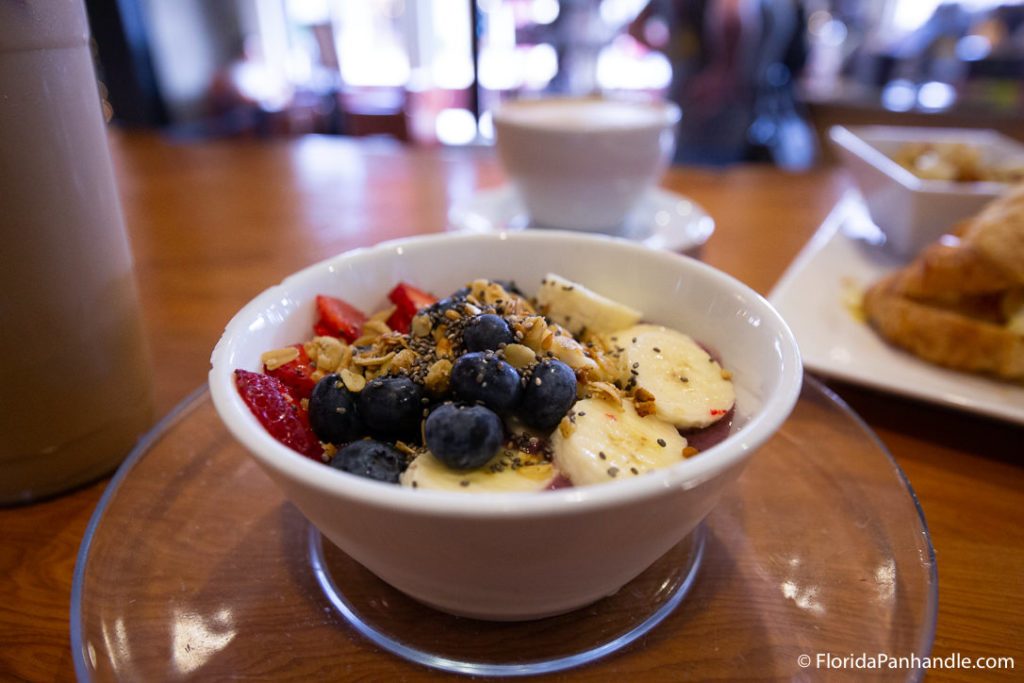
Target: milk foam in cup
[[75, 376], [584, 163]]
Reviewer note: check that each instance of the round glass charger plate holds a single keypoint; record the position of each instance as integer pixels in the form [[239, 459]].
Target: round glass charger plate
[[195, 567]]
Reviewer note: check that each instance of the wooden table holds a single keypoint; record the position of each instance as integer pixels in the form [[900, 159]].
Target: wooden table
[[214, 223]]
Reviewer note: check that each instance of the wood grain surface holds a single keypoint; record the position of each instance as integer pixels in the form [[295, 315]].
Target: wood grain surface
[[214, 223]]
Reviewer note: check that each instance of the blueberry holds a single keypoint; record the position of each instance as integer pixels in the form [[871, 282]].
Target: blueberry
[[370, 459], [548, 395], [391, 407], [480, 377], [487, 332], [463, 437], [455, 302], [510, 287], [332, 412]]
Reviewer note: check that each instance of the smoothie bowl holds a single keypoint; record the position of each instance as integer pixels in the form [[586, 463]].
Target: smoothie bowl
[[522, 422]]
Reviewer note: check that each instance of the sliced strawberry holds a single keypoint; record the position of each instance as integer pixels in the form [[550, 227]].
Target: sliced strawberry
[[279, 413], [296, 375], [407, 300], [338, 318]]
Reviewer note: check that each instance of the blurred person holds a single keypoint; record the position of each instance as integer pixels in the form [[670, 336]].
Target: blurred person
[[577, 35], [734, 64], [245, 95]]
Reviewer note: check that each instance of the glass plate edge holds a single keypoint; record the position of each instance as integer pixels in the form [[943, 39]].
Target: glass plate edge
[[932, 609], [78, 654]]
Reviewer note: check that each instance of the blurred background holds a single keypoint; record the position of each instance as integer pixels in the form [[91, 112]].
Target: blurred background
[[428, 72]]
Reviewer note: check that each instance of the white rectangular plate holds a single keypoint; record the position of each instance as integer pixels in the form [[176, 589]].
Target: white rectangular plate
[[814, 296]]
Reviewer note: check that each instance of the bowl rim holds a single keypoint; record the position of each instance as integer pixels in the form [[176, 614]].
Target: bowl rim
[[686, 474]]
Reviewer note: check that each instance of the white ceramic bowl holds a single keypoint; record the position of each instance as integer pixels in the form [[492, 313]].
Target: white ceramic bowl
[[518, 556], [911, 211]]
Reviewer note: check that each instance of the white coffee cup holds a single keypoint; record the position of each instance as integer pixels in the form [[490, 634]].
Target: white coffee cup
[[584, 163]]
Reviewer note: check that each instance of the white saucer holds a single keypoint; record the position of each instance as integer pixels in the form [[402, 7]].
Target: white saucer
[[664, 220]]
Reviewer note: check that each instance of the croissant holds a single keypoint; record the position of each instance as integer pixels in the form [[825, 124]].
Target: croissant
[[960, 302]]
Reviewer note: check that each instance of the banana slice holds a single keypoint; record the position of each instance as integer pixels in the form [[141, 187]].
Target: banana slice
[[576, 308], [689, 387], [607, 440], [507, 471]]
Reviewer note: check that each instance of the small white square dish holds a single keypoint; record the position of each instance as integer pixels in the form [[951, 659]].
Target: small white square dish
[[911, 210]]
